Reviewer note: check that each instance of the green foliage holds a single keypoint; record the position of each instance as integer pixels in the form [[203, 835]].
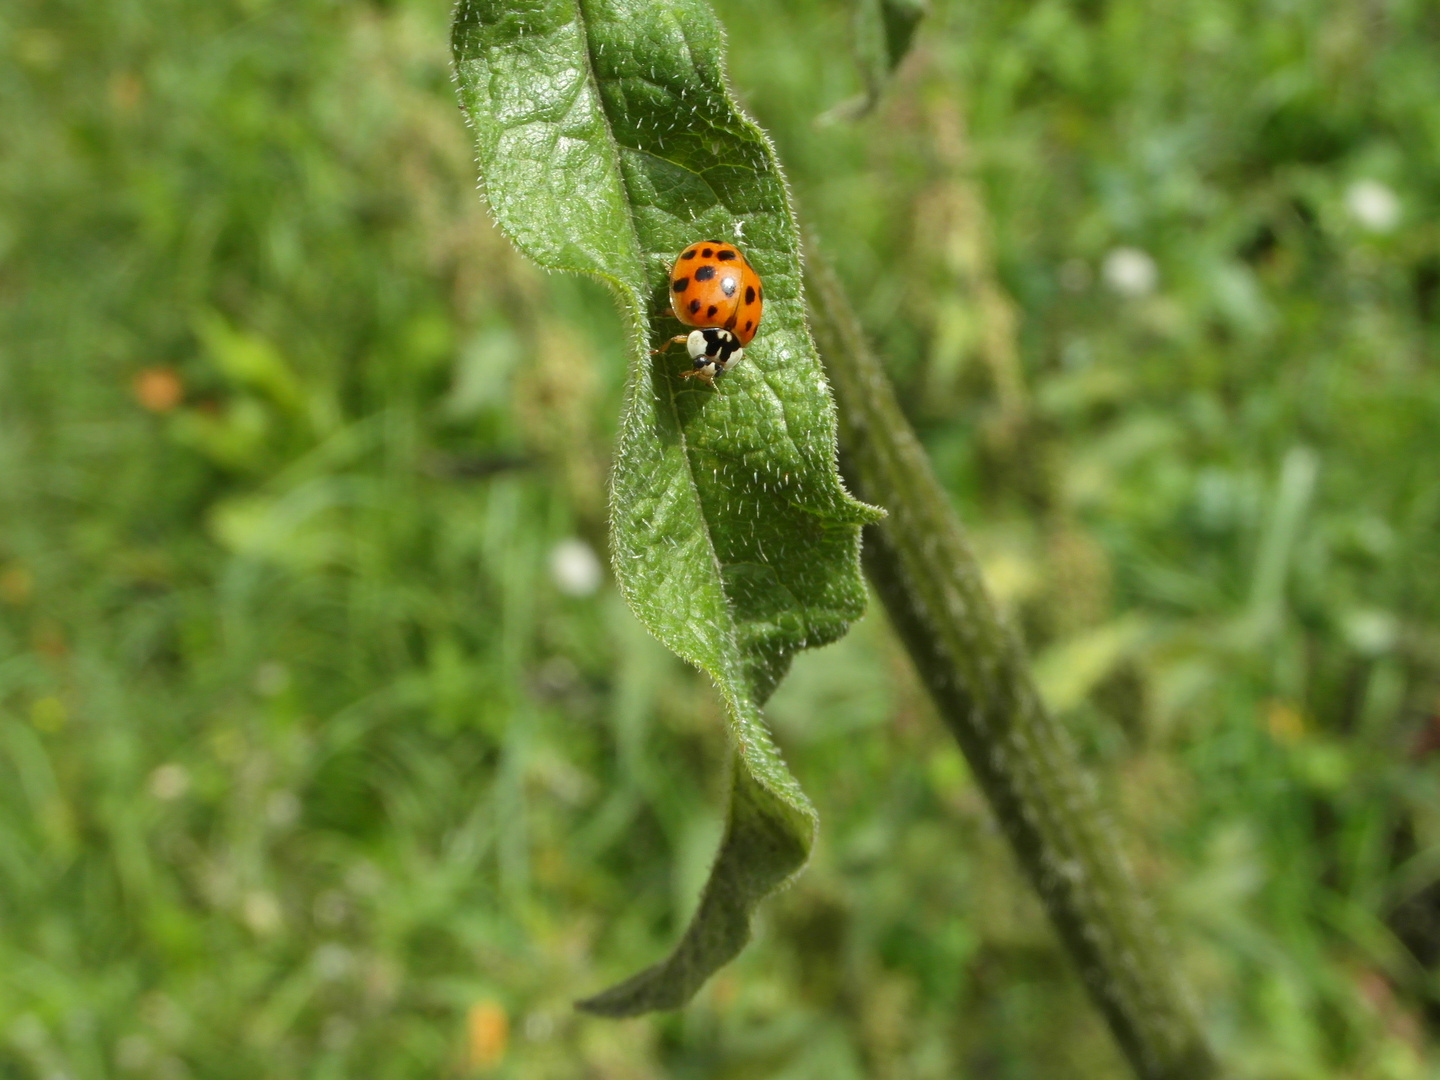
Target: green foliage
[[607, 144], [884, 30], [311, 767]]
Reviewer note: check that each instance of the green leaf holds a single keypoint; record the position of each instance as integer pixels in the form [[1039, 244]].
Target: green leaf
[[607, 142], [881, 33], [900, 19]]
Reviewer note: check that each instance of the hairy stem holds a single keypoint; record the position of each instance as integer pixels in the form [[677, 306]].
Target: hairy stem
[[973, 665]]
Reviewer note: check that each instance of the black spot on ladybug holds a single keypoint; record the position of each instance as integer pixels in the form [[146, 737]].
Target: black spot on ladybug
[[680, 284], [704, 273], [749, 294], [694, 306], [711, 313], [748, 324], [724, 256], [707, 253], [689, 254]]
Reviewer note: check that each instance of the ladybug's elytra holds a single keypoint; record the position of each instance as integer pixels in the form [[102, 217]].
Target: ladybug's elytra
[[714, 289]]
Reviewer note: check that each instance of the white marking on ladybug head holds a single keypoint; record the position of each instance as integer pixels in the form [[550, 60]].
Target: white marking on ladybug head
[[695, 344]]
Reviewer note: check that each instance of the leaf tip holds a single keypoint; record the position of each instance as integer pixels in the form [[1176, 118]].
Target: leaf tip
[[870, 515], [667, 985]]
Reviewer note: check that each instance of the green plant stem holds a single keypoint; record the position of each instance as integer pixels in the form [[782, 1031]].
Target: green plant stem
[[975, 670]]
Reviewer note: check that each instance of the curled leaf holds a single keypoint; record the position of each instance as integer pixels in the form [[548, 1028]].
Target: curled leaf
[[608, 141]]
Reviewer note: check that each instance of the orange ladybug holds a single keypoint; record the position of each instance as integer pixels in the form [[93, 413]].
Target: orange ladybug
[[714, 289]]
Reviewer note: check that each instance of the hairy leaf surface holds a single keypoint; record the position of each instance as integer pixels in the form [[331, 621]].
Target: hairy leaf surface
[[607, 142]]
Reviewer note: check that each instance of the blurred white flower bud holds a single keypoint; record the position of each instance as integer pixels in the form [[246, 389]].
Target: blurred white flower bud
[[1131, 272], [575, 568], [1373, 205]]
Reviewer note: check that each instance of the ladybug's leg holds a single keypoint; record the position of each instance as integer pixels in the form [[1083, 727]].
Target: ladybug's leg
[[705, 372], [678, 339]]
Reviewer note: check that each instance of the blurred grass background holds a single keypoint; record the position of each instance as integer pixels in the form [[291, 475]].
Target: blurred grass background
[[328, 749]]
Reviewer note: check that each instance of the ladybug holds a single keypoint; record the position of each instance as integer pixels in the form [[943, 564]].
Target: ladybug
[[714, 289]]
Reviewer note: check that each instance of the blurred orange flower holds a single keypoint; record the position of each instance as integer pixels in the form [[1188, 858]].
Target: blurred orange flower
[[158, 389], [487, 1030]]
